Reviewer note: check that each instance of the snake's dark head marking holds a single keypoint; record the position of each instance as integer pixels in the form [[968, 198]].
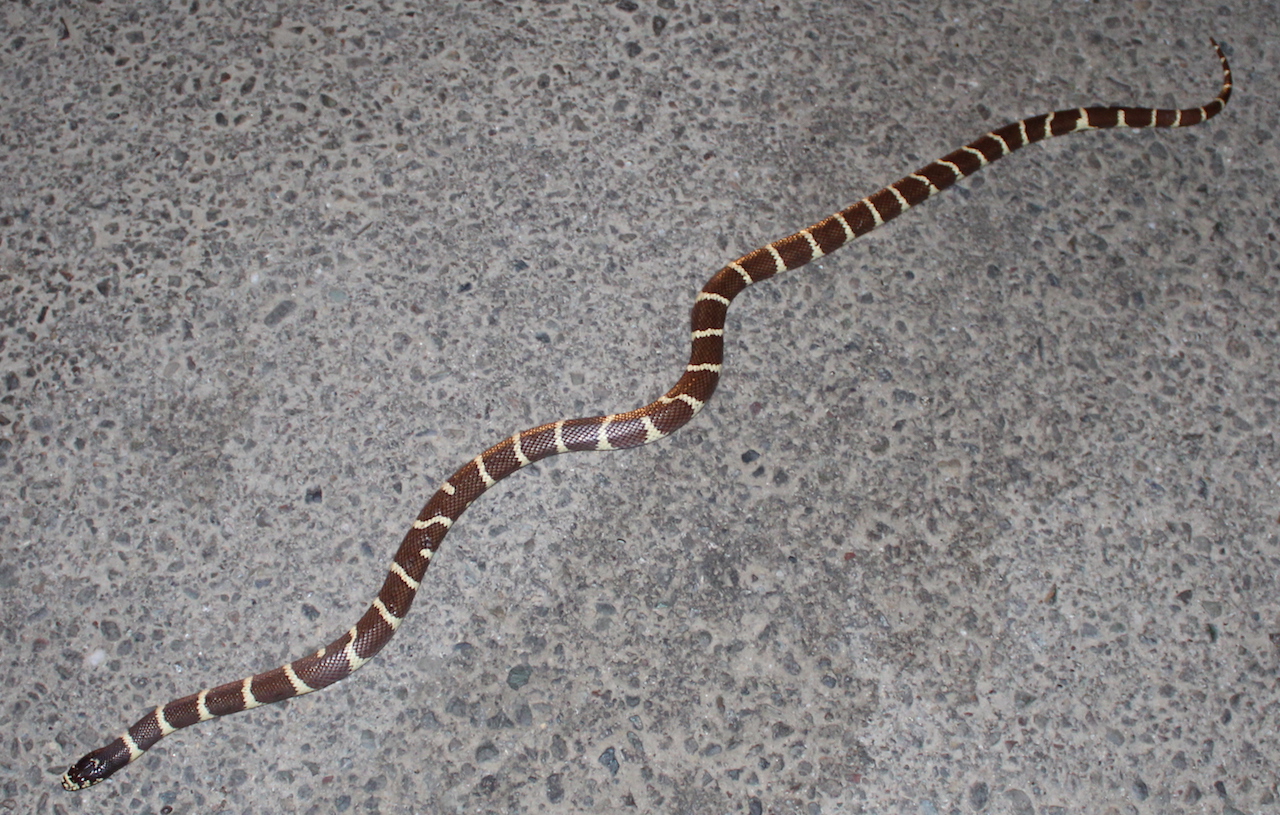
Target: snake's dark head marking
[[91, 769]]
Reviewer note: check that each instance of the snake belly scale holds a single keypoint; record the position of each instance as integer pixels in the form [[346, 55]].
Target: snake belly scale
[[656, 420]]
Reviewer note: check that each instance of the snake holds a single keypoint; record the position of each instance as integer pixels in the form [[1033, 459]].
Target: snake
[[616, 431]]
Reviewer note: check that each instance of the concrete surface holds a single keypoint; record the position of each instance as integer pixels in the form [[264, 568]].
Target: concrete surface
[[984, 519]]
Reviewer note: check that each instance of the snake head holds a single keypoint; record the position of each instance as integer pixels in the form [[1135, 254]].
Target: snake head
[[94, 767]]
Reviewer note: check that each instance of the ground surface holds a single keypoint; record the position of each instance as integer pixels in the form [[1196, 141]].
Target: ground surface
[[985, 517]]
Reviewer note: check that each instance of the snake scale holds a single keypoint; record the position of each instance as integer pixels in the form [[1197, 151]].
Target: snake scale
[[656, 420]]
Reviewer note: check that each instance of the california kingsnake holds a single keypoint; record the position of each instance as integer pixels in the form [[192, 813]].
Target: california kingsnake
[[340, 658]]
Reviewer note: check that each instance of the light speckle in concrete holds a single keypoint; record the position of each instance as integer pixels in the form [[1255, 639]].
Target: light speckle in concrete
[[984, 519]]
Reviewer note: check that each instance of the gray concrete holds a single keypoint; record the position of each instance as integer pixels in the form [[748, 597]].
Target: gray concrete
[[985, 517]]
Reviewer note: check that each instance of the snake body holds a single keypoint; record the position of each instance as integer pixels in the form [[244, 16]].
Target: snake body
[[656, 420]]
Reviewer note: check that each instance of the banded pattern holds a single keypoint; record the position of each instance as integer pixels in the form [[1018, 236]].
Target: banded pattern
[[654, 421]]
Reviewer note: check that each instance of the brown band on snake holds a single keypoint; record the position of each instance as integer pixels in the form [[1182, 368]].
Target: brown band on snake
[[340, 658]]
